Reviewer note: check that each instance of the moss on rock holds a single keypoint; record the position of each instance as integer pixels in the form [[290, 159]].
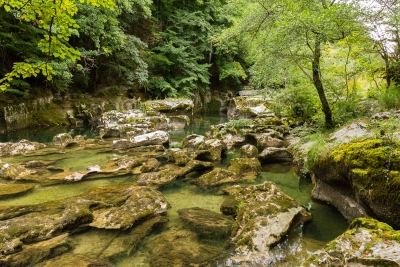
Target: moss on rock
[[370, 169]]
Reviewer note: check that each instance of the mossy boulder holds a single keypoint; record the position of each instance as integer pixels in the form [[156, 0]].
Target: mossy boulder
[[178, 156], [367, 242], [207, 223], [264, 216], [248, 151], [367, 174], [216, 177], [170, 107], [245, 168], [10, 171]]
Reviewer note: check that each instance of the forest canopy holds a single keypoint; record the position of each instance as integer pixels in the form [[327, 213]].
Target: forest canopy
[[309, 55]]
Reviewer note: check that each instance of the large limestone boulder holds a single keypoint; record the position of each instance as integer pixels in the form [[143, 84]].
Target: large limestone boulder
[[361, 178], [114, 118], [350, 132], [194, 142], [207, 223], [170, 107], [264, 214], [367, 242], [247, 107], [274, 154], [22, 147], [153, 138]]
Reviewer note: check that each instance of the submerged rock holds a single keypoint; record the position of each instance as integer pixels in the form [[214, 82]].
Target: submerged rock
[[264, 215], [75, 260], [125, 243], [207, 223], [108, 207], [181, 248], [367, 242]]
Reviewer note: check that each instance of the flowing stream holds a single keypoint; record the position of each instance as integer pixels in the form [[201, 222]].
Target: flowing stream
[[327, 223]]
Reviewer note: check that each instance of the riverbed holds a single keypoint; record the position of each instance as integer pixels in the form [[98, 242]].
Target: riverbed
[[326, 225]]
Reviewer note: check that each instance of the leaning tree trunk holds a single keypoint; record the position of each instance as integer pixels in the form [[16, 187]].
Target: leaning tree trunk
[[316, 75]]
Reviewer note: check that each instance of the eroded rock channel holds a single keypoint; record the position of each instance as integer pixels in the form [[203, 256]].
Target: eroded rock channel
[[160, 190]]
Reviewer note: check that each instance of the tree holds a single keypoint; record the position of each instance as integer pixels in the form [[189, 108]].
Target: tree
[[294, 32], [55, 19], [383, 20]]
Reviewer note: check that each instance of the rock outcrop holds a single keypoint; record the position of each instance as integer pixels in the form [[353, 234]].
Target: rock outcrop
[[361, 178]]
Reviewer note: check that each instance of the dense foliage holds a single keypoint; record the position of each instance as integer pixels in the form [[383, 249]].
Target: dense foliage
[[311, 56], [162, 46]]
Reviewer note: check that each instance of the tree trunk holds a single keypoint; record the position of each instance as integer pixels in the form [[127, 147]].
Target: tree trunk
[[316, 75]]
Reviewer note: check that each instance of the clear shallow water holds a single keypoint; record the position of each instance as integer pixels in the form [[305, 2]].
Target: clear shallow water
[[326, 225]]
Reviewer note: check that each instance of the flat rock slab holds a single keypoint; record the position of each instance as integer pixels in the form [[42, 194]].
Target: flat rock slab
[[34, 253], [174, 173], [207, 223], [12, 190], [264, 215]]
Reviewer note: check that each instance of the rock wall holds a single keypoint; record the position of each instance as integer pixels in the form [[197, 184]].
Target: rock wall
[[21, 115]]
